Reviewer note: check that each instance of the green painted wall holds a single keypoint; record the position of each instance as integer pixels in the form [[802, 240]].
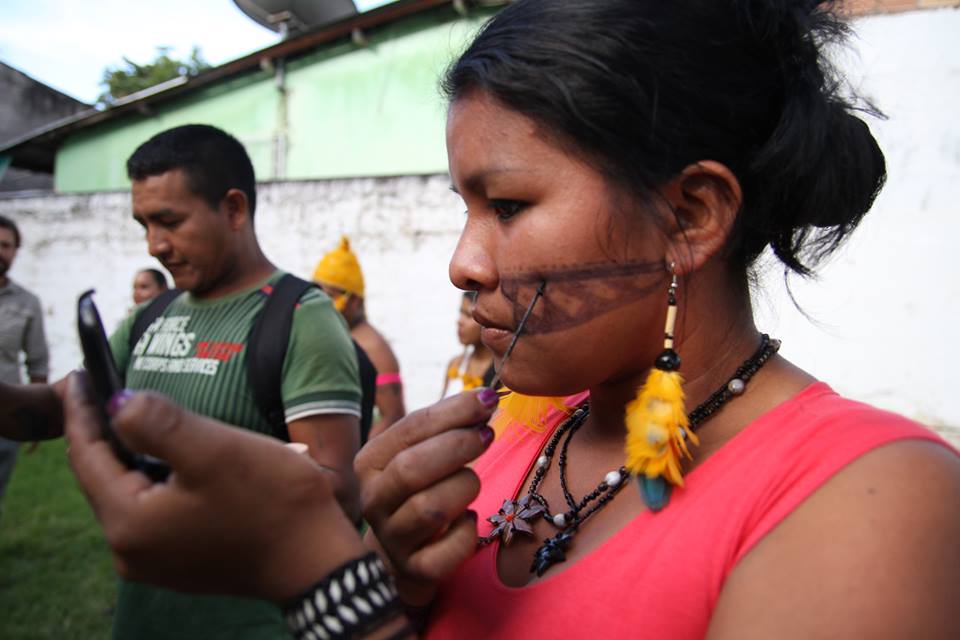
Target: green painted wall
[[347, 111], [93, 159]]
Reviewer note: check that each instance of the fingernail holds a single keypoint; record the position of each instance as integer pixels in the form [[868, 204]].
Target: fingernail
[[486, 435], [117, 401], [79, 383], [488, 398], [299, 447]]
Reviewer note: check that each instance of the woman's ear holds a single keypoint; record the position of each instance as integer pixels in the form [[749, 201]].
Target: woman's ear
[[705, 199]]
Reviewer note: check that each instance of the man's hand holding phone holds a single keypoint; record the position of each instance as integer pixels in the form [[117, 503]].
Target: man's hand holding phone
[[213, 526]]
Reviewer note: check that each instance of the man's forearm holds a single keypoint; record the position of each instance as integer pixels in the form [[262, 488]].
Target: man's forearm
[[332, 441], [30, 412]]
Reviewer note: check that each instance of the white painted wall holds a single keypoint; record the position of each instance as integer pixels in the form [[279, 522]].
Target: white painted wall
[[885, 306]]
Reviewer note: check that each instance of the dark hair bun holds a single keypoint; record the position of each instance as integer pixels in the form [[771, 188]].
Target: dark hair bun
[[816, 176]]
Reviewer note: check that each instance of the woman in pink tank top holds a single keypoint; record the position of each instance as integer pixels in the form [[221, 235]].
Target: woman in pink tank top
[[623, 164], [659, 470]]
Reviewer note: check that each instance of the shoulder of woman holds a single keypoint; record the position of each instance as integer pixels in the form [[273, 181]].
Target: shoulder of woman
[[902, 479], [879, 536], [377, 348]]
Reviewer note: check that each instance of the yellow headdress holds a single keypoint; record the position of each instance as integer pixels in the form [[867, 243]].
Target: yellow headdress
[[341, 269]]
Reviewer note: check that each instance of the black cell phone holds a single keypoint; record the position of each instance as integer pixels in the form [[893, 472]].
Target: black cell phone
[[105, 381]]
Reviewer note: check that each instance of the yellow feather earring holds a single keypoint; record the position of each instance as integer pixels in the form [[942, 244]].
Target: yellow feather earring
[[657, 424]]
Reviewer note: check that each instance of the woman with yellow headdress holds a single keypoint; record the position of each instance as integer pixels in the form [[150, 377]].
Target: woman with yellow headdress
[[474, 366], [338, 273]]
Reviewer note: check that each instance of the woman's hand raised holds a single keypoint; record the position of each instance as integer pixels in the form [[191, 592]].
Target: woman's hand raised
[[415, 489], [240, 514]]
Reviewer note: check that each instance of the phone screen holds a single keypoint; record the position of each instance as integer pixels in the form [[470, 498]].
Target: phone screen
[[106, 381]]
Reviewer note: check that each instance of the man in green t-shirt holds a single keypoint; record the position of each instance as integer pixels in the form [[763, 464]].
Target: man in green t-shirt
[[193, 192]]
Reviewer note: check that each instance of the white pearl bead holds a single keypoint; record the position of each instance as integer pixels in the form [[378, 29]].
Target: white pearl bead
[[736, 386], [560, 520], [543, 461], [612, 479]]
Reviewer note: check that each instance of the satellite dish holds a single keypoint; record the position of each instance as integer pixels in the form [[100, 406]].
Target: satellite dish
[[289, 17]]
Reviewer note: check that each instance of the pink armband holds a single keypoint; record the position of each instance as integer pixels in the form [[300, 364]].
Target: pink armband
[[388, 378]]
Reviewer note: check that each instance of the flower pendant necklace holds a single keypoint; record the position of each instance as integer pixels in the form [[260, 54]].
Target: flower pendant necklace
[[517, 516]]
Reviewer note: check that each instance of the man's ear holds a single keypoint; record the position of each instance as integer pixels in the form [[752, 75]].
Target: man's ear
[[237, 208], [705, 199]]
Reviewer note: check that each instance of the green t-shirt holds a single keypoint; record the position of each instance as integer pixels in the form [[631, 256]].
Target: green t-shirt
[[194, 353]]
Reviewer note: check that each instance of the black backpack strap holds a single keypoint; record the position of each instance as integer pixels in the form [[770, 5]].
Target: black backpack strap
[[267, 348], [368, 391], [151, 312]]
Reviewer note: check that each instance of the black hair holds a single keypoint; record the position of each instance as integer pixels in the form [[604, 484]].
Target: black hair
[[645, 88], [157, 276], [214, 162], [7, 223]]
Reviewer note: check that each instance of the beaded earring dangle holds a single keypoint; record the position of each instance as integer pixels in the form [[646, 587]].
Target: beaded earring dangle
[[657, 424]]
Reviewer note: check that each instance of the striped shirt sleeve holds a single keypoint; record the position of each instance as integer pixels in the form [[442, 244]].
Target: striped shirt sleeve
[[320, 373]]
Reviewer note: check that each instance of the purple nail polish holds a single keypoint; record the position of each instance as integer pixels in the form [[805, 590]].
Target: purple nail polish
[[488, 398], [117, 401], [486, 435]]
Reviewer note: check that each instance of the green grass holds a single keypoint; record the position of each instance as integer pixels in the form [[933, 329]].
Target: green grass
[[56, 576]]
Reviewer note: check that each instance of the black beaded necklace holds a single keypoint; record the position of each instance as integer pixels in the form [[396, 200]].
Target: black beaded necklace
[[517, 515]]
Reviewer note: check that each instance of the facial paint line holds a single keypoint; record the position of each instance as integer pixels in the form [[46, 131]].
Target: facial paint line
[[516, 334], [590, 271], [579, 294]]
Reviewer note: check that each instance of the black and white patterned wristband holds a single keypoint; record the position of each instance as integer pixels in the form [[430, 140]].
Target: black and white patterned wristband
[[352, 600]]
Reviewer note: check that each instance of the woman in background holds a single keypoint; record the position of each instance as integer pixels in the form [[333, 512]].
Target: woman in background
[[339, 274], [148, 284], [474, 367]]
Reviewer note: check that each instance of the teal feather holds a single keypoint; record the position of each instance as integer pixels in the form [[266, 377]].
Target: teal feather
[[655, 492]]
